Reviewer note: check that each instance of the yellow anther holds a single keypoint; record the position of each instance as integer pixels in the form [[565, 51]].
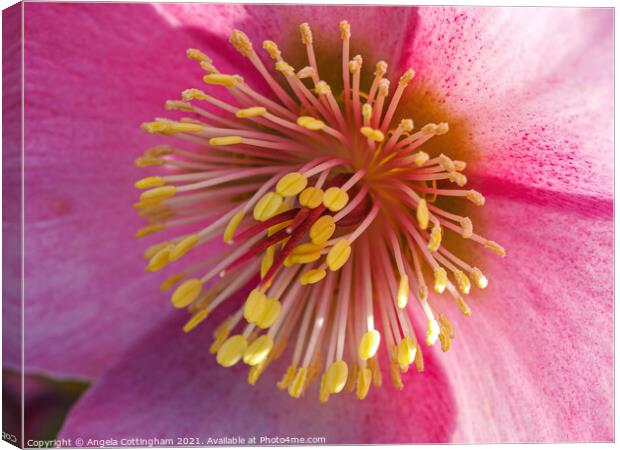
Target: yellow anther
[[279, 226], [322, 229], [311, 197], [479, 278], [322, 88], [406, 78], [310, 123], [420, 158], [232, 350], [208, 67], [267, 206], [267, 261], [345, 30], [167, 128], [258, 350], [255, 305], [336, 376], [364, 378], [159, 150], [419, 359], [335, 199], [397, 381], [171, 281], [306, 258], [184, 246], [254, 111], [314, 370], [462, 281], [306, 33], [373, 365], [193, 94], [352, 378], [467, 227], [305, 72], [460, 165], [291, 184], [338, 255], [463, 306], [307, 247], [403, 291], [406, 352], [186, 293], [256, 371], [241, 42], [150, 229], [220, 79], [369, 344], [429, 128], [446, 163], [298, 383], [446, 326], [323, 392], [384, 87], [158, 194], [160, 259], [442, 128], [270, 313], [355, 64], [445, 342], [372, 134], [366, 111], [432, 332], [197, 55], [157, 212], [422, 214], [393, 354], [221, 334], [435, 240], [476, 197], [150, 182], [312, 276], [177, 105], [289, 261], [225, 140], [232, 226], [492, 245], [146, 161], [458, 178], [441, 279], [195, 320], [406, 125], [287, 377], [285, 68], [381, 68], [150, 252], [273, 50]]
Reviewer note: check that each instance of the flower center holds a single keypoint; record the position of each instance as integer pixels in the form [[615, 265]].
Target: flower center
[[329, 200]]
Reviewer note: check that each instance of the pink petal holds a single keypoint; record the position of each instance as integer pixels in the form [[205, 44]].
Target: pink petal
[[11, 185], [531, 88], [534, 362], [168, 386], [87, 295]]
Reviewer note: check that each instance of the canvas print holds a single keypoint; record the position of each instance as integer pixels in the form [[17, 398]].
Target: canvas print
[[243, 224]]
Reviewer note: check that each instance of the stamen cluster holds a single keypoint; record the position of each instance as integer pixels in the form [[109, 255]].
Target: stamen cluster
[[327, 201]]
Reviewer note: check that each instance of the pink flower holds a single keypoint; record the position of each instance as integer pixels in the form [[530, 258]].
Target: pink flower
[[529, 114]]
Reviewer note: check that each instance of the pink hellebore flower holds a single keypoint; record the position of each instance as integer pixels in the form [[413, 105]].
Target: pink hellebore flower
[[527, 95]]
